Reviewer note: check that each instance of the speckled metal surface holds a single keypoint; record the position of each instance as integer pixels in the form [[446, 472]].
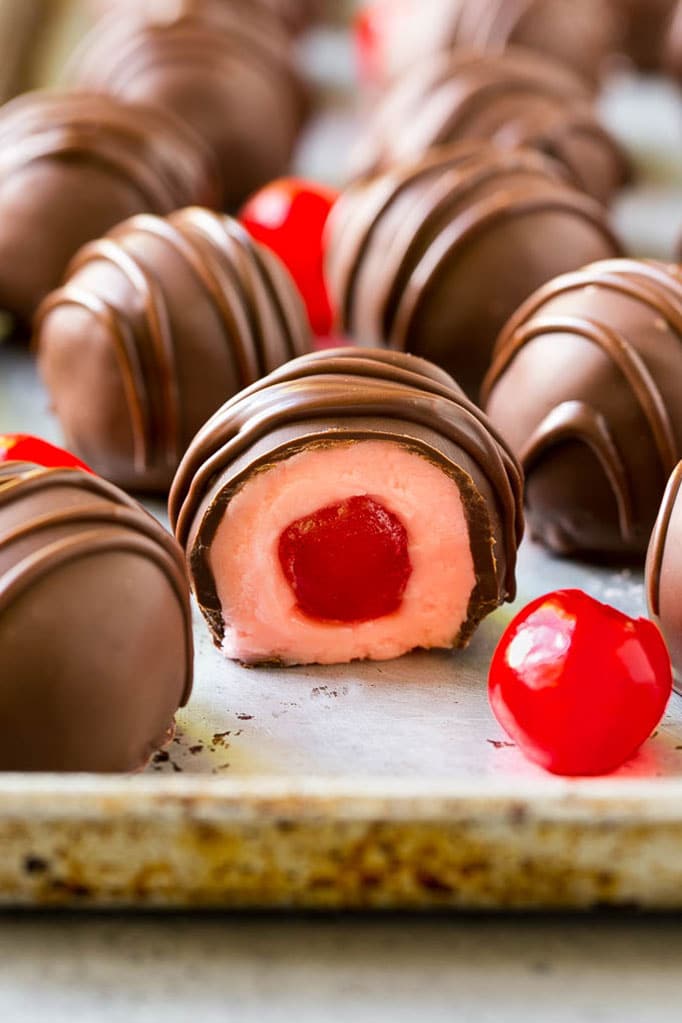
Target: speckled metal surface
[[367, 786]]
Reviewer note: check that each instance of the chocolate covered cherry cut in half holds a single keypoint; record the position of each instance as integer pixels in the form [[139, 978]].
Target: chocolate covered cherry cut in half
[[352, 505]]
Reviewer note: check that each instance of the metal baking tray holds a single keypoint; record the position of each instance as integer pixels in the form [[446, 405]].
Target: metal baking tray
[[366, 786]]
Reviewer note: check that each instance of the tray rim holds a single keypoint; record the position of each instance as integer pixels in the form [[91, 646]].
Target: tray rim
[[89, 797]]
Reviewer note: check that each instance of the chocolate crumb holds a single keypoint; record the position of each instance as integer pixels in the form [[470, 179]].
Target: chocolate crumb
[[35, 865]]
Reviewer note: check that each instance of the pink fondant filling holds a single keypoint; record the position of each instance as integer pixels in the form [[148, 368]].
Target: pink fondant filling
[[262, 620]]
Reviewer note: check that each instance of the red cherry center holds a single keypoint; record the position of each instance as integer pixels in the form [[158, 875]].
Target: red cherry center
[[347, 562]]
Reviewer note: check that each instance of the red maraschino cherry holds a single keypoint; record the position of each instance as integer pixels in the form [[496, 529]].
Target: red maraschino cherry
[[21, 447], [289, 216], [347, 562], [578, 685]]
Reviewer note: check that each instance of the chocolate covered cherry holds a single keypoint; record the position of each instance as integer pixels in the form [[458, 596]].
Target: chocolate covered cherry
[[353, 504]]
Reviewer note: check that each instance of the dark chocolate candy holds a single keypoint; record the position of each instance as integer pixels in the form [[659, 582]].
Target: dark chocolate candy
[[435, 256], [515, 98], [232, 79], [155, 327], [71, 166], [664, 571], [351, 395], [585, 386], [95, 626]]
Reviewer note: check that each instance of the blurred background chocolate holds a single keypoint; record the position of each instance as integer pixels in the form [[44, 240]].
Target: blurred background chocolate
[[515, 98], [585, 386], [434, 256], [578, 33], [95, 625], [156, 326], [664, 570], [231, 77], [71, 166]]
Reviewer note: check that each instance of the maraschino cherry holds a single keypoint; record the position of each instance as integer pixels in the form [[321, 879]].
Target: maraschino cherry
[[21, 447], [289, 216], [578, 685], [347, 562]]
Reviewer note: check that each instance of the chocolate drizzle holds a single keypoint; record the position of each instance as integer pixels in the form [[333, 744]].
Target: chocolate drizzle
[[254, 322], [514, 98], [643, 362], [351, 395], [404, 265], [52, 520]]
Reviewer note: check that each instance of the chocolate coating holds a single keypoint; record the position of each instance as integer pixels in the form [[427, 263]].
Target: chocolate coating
[[350, 395], [585, 386], [664, 571], [231, 78], [95, 625], [515, 98], [155, 327], [435, 256], [578, 33], [71, 166]]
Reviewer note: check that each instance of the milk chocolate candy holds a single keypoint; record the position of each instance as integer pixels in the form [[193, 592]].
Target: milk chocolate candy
[[515, 98], [664, 572], [354, 504], [580, 34], [585, 386], [71, 166], [231, 78], [155, 327], [95, 626], [435, 256]]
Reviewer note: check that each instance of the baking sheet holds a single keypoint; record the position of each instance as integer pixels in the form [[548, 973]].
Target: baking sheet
[[385, 785]]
